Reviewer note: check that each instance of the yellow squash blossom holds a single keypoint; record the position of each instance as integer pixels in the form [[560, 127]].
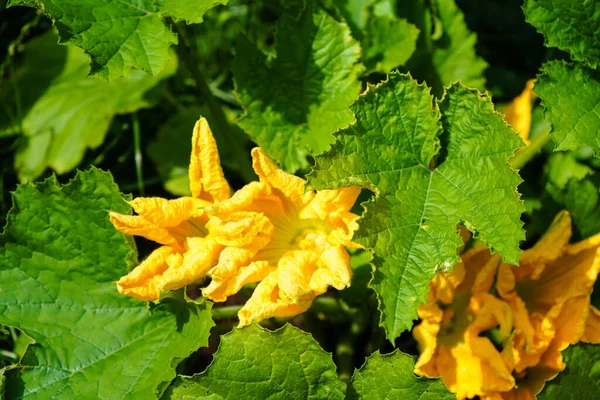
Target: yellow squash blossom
[[518, 112], [271, 231], [496, 330]]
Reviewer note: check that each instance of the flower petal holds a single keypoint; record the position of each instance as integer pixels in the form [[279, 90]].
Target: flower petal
[[518, 112], [592, 327], [136, 225], [207, 181], [266, 302], [143, 282], [291, 186], [334, 270]]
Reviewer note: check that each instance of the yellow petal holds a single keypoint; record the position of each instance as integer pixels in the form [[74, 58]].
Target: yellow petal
[[295, 270], [168, 213], [551, 246], [192, 266], [143, 282], [291, 186], [592, 326], [327, 202], [136, 225], [266, 302], [221, 288], [426, 336], [518, 112], [334, 270], [240, 228], [207, 181]]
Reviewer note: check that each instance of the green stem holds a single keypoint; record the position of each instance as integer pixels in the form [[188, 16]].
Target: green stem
[[225, 312], [138, 154], [528, 152]]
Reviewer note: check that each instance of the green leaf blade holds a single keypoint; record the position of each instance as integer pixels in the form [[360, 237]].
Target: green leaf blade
[[390, 376], [580, 378], [256, 363], [411, 224], [58, 261], [295, 104], [573, 26], [117, 35], [571, 96]]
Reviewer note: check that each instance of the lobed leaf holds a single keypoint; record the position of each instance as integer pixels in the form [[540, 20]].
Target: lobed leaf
[[120, 35], [572, 25], [66, 113], [294, 103], [256, 363], [411, 224], [59, 257], [390, 376], [571, 95]]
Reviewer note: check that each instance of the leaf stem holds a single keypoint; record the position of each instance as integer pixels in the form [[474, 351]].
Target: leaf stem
[[225, 312], [138, 154], [527, 153]]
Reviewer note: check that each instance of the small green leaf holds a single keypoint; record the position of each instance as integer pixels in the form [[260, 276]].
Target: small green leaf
[[411, 224], [572, 25], [580, 379], [73, 112], [389, 42], [191, 11], [254, 363], [571, 95], [446, 46], [295, 103], [59, 258], [390, 376]]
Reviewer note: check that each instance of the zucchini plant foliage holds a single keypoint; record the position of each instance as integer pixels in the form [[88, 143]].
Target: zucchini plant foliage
[[417, 103]]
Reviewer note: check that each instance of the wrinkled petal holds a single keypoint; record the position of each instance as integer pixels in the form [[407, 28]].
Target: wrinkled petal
[[207, 181], [240, 228], [168, 213], [136, 225], [291, 186], [143, 282], [591, 333], [220, 289], [334, 270], [266, 302]]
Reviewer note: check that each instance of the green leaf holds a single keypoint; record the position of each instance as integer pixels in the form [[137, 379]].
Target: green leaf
[[120, 35], [411, 224], [59, 257], [390, 376], [446, 46], [190, 11], [571, 96], [73, 112], [254, 363], [387, 41], [294, 103], [580, 379], [572, 25]]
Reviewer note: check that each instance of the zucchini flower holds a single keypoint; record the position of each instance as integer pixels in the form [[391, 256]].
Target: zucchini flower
[[496, 330], [272, 231]]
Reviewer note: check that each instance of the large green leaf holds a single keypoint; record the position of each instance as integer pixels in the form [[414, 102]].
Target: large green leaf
[[446, 45], [254, 363], [571, 25], [120, 35], [59, 257], [571, 95], [580, 379], [390, 376], [423, 193], [294, 103], [70, 113]]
